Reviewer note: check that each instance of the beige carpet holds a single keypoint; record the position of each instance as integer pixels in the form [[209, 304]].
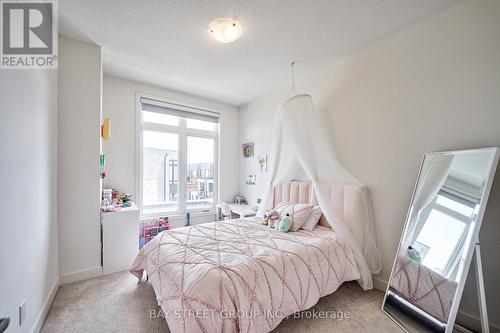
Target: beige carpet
[[115, 303]]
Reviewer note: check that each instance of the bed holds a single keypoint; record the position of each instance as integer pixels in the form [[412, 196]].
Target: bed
[[239, 275], [423, 288]]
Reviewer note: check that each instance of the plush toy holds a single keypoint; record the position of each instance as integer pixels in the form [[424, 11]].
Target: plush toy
[[285, 224], [272, 223], [269, 217], [414, 254]]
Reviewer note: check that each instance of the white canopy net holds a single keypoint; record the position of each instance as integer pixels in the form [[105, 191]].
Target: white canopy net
[[300, 151]]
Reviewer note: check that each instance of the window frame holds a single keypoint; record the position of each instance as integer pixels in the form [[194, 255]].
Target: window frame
[[455, 257], [183, 133]]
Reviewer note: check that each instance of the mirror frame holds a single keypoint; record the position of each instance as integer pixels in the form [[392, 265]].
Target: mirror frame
[[475, 235]]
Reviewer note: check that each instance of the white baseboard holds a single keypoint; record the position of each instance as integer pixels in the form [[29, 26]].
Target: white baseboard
[[461, 329], [474, 322], [81, 275], [379, 284], [46, 306]]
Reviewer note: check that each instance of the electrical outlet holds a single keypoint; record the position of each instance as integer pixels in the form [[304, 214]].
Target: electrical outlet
[[22, 312]]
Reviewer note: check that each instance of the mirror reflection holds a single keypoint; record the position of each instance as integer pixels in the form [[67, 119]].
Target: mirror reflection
[[442, 223]]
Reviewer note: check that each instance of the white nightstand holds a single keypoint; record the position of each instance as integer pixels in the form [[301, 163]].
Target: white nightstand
[[120, 239]]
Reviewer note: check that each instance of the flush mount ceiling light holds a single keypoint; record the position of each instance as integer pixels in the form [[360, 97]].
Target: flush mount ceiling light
[[225, 30]]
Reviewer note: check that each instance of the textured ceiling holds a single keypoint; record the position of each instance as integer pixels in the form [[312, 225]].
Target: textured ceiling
[[166, 43]]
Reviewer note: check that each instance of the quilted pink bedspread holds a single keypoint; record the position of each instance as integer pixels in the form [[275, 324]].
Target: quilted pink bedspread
[[424, 288], [240, 275]]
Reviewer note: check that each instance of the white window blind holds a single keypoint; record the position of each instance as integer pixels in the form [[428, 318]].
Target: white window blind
[[179, 110]]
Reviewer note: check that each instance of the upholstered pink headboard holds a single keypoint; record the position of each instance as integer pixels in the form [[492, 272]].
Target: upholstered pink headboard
[[345, 199]]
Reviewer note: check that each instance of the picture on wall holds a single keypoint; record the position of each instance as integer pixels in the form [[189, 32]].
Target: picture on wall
[[263, 162], [250, 179], [247, 149]]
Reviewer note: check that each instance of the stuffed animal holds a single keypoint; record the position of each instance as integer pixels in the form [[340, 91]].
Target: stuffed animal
[[272, 223], [285, 224], [269, 217], [414, 254]]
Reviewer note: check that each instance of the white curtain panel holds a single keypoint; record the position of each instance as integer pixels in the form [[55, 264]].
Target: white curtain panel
[[300, 150], [435, 169]]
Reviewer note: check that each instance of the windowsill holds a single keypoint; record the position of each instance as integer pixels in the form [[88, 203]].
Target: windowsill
[[178, 216]]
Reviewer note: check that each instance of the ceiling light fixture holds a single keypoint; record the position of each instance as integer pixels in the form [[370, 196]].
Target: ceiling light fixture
[[225, 30]]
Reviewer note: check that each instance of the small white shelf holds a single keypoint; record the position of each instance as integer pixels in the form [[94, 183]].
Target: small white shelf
[[120, 239]]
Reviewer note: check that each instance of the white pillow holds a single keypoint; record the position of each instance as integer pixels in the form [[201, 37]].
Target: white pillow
[[297, 212], [313, 219]]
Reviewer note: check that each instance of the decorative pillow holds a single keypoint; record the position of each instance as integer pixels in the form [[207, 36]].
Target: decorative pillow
[[297, 212], [313, 219]]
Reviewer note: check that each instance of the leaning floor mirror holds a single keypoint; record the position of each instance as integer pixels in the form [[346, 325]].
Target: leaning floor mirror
[[439, 239]]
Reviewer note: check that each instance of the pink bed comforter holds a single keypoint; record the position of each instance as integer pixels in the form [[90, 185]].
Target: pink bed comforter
[[424, 288], [240, 275]]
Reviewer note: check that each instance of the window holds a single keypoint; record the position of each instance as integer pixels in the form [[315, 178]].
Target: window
[[440, 240], [160, 175], [178, 159], [200, 170]]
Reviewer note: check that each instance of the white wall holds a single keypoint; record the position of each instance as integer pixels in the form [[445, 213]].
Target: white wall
[[28, 207], [119, 104], [432, 86], [490, 248], [80, 79]]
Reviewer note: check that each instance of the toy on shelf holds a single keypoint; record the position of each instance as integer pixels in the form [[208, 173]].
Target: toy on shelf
[[121, 199], [155, 227], [102, 165], [113, 201], [107, 201]]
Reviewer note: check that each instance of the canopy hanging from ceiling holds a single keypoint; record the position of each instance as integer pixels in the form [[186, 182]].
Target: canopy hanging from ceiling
[[300, 151]]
